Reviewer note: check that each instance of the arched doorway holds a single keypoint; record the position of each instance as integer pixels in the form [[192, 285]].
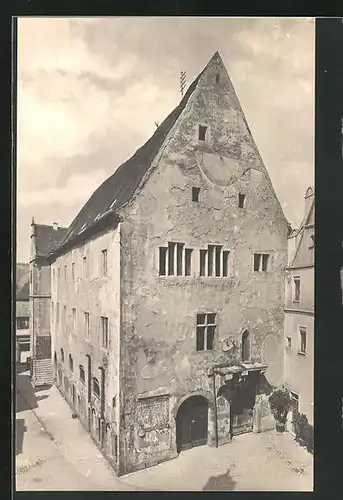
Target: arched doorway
[[192, 423]]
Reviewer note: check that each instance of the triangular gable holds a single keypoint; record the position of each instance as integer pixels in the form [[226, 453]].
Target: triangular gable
[[304, 255]]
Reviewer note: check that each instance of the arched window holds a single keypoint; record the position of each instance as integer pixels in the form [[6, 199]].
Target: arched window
[[82, 373], [71, 362], [62, 354], [246, 346], [96, 387]]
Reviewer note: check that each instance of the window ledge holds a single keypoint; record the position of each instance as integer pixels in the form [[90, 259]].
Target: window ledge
[[301, 353]]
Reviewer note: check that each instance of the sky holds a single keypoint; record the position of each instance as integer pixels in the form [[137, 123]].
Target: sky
[[89, 91]]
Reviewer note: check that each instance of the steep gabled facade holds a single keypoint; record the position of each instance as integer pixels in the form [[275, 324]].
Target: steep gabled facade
[[44, 239], [299, 313], [177, 342]]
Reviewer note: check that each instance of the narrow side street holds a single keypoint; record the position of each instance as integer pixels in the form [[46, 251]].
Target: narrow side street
[[54, 452]]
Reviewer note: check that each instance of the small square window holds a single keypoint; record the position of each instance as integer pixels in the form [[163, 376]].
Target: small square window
[[289, 341], [202, 133], [195, 193]]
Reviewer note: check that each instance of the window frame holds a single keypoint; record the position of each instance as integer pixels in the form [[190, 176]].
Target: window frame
[[86, 325], [95, 382], [246, 346], [104, 263], [206, 326], [241, 200], [195, 194], [302, 340], [202, 128], [175, 260], [261, 256], [296, 289], [104, 321], [82, 370], [26, 319]]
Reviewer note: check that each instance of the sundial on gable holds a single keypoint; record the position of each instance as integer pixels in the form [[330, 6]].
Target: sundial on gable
[[220, 170]]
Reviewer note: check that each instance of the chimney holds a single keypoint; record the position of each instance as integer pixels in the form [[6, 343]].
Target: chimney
[[55, 226], [308, 199], [33, 227]]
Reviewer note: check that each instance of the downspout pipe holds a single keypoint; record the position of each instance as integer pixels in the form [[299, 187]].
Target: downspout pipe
[[215, 406]]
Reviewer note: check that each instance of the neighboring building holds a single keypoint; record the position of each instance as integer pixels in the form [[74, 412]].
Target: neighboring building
[[44, 239], [168, 289], [299, 313], [22, 312]]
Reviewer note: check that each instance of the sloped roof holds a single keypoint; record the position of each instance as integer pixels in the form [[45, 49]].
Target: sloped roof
[[48, 238], [22, 275], [303, 254], [122, 184], [23, 292]]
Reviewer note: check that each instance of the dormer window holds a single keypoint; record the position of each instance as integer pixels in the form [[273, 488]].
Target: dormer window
[[202, 132]]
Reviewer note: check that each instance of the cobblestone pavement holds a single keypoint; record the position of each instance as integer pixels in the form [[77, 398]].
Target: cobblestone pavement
[[251, 462], [54, 452]]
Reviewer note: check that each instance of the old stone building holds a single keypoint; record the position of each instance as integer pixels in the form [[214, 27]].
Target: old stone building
[[299, 313], [43, 241], [168, 288]]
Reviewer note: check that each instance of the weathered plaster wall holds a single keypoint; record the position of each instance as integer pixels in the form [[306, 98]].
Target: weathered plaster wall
[[306, 299], [159, 313], [99, 296], [299, 368]]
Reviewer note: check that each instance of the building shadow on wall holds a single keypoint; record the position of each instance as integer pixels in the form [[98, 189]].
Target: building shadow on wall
[[26, 399], [223, 482], [26, 394], [20, 429]]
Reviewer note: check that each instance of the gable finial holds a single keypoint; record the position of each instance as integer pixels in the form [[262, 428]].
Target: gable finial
[[183, 77]]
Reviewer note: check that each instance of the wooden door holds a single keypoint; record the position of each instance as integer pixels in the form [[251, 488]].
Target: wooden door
[[198, 426], [242, 422], [192, 423]]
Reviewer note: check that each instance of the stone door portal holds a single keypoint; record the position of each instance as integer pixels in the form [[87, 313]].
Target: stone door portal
[[192, 423]]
